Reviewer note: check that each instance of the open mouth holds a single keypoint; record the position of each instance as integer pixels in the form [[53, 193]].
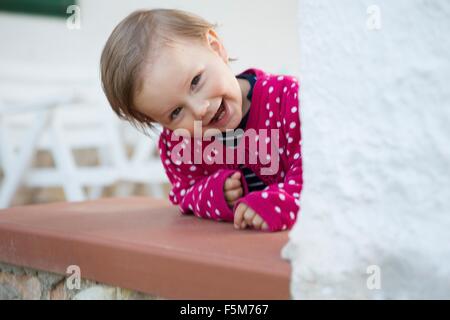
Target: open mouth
[[219, 114]]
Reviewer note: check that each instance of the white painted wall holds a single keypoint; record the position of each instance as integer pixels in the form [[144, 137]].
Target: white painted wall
[[376, 129], [253, 31]]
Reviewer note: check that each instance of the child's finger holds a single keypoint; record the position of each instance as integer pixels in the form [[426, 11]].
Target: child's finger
[[239, 215], [235, 189], [257, 221], [248, 215], [236, 175], [265, 226], [232, 195], [232, 184]]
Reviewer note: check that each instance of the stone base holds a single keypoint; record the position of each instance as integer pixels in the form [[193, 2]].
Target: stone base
[[17, 283]]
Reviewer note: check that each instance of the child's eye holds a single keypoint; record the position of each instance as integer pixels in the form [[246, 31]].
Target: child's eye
[[196, 79], [194, 82], [175, 113]]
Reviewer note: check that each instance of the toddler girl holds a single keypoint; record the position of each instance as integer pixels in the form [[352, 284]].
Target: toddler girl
[[230, 145]]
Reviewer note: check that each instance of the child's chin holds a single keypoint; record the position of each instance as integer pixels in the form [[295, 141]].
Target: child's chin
[[210, 132]]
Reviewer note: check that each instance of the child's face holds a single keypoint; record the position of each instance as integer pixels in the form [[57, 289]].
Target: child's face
[[188, 82]]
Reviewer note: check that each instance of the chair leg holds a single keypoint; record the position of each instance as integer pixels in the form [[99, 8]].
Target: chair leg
[[23, 159], [65, 164]]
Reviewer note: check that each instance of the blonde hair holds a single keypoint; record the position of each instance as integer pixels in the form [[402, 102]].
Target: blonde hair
[[133, 41]]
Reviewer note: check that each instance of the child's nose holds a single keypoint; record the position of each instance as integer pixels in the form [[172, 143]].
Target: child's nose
[[201, 110]]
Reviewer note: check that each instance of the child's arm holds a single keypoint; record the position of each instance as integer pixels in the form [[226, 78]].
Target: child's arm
[[196, 192], [279, 203]]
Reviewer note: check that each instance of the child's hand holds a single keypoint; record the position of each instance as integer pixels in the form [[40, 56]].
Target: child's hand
[[245, 216], [233, 189]]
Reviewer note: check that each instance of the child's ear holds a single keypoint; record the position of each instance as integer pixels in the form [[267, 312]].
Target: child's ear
[[216, 44]]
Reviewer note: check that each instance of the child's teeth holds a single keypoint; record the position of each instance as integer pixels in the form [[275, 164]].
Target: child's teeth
[[220, 116]]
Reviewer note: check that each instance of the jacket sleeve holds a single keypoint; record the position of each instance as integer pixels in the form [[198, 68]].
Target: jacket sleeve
[[195, 190], [279, 203]]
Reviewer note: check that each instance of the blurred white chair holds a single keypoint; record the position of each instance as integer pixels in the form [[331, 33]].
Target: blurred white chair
[[14, 164], [37, 112], [60, 126]]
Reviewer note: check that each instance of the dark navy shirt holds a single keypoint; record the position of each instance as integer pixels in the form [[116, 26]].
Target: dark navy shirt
[[253, 181]]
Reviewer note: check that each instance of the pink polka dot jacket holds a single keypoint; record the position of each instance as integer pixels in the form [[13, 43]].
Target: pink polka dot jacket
[[270, 146]]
